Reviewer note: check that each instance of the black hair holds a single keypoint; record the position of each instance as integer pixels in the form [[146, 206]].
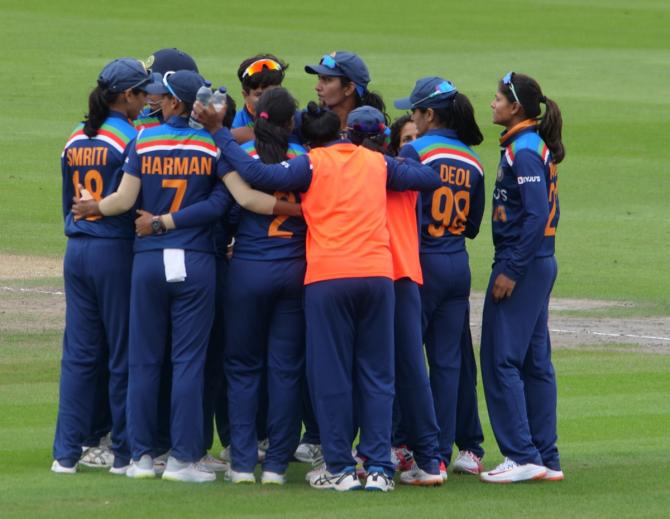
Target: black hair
[[319, 125], [262, 79], [550, 125], [272, 128], [369, 98], [231, 110], [396, 130], [459, 115], [371, 141], [98, 109]]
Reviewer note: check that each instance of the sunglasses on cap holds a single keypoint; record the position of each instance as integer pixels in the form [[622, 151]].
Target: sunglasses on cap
[[167, 85], [446, 87], [261, 65], [507, 81], [328, 61]]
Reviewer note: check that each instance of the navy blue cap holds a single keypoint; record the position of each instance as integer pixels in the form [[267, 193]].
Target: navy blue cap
[[343, 64], [166, 60], [429, 92], [183, 85], [122, 74], [366, 119]]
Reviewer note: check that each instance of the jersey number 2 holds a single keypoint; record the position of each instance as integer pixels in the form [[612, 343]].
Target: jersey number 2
[[274, 231], [550, 228]]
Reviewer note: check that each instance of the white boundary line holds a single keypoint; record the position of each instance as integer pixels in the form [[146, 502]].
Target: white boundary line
[[33, 290]]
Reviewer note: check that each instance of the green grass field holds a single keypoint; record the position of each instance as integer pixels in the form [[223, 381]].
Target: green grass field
[[607, 64]]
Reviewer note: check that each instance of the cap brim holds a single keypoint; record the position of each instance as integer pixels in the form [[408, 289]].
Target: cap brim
[[322, 71], [403, 104]]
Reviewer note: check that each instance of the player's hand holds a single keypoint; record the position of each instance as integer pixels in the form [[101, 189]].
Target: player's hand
[[209, 117], [143, 223], [502, 287], [85, 205]]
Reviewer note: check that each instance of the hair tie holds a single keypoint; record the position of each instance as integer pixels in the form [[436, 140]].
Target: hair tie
[[264, 115], [543, 99]]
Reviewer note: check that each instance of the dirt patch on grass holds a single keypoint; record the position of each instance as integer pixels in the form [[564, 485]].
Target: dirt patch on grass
[[14, 267], [33, 307]]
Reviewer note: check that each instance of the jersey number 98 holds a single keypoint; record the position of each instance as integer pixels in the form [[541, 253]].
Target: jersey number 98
[[449, 211]]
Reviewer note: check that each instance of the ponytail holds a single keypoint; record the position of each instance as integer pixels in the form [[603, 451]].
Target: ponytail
[[530, 96], [459, 115], [98, 110], [274, 113], [550, 128], [319, 125], [368, 98]]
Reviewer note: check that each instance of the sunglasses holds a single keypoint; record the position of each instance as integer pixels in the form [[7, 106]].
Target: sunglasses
[[446, 87], [507, 81], [328, 61], [167, 85], [261, 65]]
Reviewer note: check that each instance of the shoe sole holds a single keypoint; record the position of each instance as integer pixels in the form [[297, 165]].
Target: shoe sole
[[141, 475], [553, 478], [537, 477], [186, 480], [474, 472]]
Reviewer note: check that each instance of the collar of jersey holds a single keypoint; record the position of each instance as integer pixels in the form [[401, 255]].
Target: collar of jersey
[[442, 132], [178, 121], [118, 115], [508, 135], [337, 141]]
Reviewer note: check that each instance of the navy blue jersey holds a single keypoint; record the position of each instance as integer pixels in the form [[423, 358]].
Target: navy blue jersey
[[268, 238], [454, 210], [178, 166], [525, 201], [96, 163]]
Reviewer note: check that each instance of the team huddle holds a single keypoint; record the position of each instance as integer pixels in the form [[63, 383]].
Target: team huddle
[[267, 271]]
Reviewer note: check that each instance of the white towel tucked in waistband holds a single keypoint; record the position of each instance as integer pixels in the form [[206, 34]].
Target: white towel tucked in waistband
[[175, 267]]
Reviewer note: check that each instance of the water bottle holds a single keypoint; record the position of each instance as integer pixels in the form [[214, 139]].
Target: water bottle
[[219, 98], [204, 95]]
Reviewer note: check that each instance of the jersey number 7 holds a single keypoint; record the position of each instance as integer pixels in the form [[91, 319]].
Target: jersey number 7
[[180, 186]]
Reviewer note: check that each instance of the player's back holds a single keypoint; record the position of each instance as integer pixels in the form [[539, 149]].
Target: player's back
[[177, 167], [454, 210], [267, 237], [96, 163], [345, 211]]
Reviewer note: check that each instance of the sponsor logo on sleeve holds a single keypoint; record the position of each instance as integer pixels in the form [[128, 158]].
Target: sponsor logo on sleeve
[[526, 180]]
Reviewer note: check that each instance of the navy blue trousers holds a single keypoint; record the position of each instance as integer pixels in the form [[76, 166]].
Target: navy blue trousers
[[216, 401], [187, 309], [518, 376], [97, 296], [350, 351], [469, 434], [445, 298], [412, 386], [265, 333]]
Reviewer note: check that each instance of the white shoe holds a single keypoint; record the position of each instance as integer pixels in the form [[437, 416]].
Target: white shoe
[[263, 446], [224, 455], [553, 475], [141, 469], [378, 481], [97, 457], [511, 472], [214, 464], [60, 469], [420, 477], [342, 482], [176, 470], [272, 478], [308, 452], [467, 463], [240, 477], [160, 462], [119, 471], [319, 468]]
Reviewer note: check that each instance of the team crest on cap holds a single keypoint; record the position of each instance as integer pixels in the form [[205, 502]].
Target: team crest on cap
[[499, 174], [148, 62]]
